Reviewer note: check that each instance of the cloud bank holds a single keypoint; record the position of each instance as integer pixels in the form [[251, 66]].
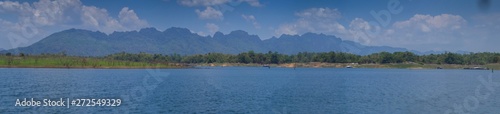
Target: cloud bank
[[421, 32], [39, 19]]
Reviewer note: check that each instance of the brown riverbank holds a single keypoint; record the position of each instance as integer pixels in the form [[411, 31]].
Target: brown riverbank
[[355, 65], [285, 65]]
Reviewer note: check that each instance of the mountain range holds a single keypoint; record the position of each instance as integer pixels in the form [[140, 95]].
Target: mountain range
[[182, 41]]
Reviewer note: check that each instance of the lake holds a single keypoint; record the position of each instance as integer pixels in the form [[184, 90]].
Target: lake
[[255, 90]]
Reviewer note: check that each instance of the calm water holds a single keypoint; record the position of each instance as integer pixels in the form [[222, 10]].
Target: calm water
[[255, 90]]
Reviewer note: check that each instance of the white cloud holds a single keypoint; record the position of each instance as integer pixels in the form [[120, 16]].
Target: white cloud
[[21, 8], [48, 12], [201, 2], [201, 33], [420, 32], [38, 19], [254, 3], [212, 28], [98, 19], [359, 24], [427, 23], [210, 13], [290, 29], [192, 3], [319, 14], [129, 19], [251, 18], [424, 33], [319, 20], [358, 31]]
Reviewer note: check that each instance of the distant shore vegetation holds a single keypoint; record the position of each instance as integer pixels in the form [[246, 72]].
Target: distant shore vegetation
[[146, 60]]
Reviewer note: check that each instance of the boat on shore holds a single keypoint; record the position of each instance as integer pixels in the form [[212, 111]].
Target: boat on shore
[[477, 68]]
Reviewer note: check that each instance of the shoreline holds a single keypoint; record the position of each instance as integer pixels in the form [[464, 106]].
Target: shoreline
[[353, 65], [105, 67], [285, 65]]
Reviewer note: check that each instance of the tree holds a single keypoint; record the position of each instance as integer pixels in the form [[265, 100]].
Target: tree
[[330, 57], [496, 59], [9, 60], [244, 58], [398, 57], [259, 58], [451, 58], [385, 57], [366, 59], [251, 54], [274, 58]]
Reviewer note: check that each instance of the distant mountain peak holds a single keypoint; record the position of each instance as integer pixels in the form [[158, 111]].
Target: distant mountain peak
[[288, 36], [313, 34], [238, 32], [82, 32], [218, 35], [75, 30], [309, 33], [178, 30], [148, 30]]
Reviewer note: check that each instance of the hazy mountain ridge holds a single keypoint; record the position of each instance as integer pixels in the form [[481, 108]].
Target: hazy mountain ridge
[[182, 41]]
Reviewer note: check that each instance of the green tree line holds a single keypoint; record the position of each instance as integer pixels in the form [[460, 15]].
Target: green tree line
[[266, 58], [305, 57]]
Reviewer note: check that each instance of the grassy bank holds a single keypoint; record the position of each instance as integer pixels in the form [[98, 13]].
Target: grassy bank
[[77, 62], [55, 61]]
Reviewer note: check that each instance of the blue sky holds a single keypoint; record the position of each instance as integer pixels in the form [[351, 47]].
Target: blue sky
[[423, 25]]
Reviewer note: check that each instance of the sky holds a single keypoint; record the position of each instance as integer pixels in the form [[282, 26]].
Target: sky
[[422, 25]]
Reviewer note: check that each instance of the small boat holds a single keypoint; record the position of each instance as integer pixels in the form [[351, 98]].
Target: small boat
[[476, 68], [348, 67], [266, 66], [439, 67], [480, 68]]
